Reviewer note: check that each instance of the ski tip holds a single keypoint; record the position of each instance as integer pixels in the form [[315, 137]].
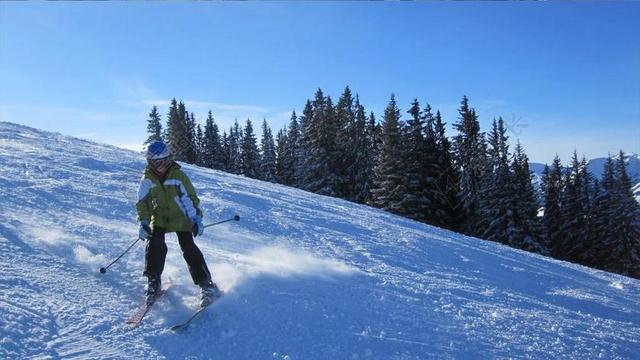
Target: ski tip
[[177, 327]]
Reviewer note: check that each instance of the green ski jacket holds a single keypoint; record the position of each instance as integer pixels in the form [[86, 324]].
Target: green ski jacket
[[170, 203]]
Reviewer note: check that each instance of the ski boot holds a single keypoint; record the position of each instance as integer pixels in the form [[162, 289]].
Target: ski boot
[[152, 289], [209, 292]]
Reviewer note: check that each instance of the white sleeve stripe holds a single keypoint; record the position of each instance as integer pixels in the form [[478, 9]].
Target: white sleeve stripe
[[184, 202], [188, 204], [145, 187]]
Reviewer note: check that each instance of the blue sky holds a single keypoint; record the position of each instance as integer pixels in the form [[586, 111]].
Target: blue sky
[[563, 75]]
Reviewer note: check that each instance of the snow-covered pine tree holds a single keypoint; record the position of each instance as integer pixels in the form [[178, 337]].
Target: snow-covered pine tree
[[214, 156], [414, 203], [176, 134], [185, 140], [626, 225], [587, 189], [449, 179], [389, 189], [290, 160], [615, 232], [250, 155], [495, 218], [235, 151], [603, 215], [431, 172], [302, 170], [525, 230], [552, 185], [154, 127], [574, 215], [329, 140], [199, 149], [361, 152], [470, 155], [268, 156], [321, 160], [226, 152], [346, 138], [586, 195], [192, 148], [373, 134], [281, 149]]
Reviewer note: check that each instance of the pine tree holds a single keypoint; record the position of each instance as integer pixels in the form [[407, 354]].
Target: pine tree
[[373, 135], [495, 218], [185, 134], [360, 173], [235, 140], [199, 146], [524, 231], [154, 127], [432, 170], [615, 234], [470, 153], [213, 153], [250, 155], [601, 234], [448, 180], [268, 158], [414, 203], [290, 160], [345, 145], [626, 224], [177, 136], [226, 152], [192, 147], [389, 188], [321, 156], [574, 215], [302, 170], [281, 151], [552, 184]]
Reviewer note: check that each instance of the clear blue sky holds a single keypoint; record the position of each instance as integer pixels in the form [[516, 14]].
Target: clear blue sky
[[563, 75]]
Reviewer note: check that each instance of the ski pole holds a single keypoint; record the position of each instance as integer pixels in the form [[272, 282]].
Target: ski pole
[[104, 269], [236, 218]]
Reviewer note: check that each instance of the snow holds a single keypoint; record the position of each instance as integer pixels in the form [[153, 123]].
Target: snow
[[305, 276]]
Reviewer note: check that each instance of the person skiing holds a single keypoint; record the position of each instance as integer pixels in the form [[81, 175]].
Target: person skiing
[[167, 202]]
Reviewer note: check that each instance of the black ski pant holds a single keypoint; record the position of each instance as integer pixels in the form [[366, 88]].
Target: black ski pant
[[156, 253]]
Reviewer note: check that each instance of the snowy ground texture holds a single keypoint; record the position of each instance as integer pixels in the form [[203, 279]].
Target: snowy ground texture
[[306, 276]]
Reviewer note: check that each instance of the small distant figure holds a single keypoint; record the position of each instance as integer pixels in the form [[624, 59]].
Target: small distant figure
[[167, 202]]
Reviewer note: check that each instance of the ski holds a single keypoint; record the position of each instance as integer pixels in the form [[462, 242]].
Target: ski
[[136, 318], [184, 325], [200, 310]]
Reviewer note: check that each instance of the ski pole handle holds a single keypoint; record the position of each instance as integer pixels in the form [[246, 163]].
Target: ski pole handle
[[235, 218], [104, 269]]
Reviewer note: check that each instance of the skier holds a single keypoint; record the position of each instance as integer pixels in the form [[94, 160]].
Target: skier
[[167, 202]]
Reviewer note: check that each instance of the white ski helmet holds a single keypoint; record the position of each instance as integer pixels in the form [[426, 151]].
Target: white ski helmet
[[158, 150]]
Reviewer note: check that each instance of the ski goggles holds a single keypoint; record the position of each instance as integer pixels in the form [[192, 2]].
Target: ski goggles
[[160, 163]]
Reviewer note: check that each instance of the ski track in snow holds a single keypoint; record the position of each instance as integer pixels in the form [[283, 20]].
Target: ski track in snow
[[305, 276]]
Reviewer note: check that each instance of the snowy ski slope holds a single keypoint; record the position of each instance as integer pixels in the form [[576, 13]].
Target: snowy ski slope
[[306, 276]]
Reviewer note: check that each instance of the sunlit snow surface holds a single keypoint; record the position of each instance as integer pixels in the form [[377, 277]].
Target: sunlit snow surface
[[306, 276]]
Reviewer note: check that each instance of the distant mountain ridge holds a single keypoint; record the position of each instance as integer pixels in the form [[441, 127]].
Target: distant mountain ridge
[[596, 167]]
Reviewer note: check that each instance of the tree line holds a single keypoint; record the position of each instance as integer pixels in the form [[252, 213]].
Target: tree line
[[470, 183]]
